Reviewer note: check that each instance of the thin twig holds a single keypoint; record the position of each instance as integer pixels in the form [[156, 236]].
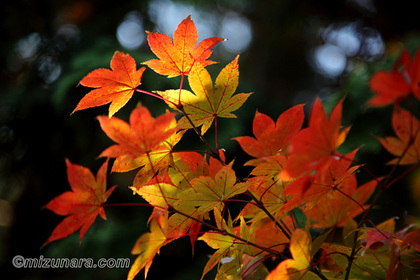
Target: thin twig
[[224, 232]]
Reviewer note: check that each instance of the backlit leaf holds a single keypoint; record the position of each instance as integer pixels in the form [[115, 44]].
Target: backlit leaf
[[272, 138], [314, 146], [82, 204], [395, 86], [207, 191], [141, 136], [296, 268], [406, 146], [115, 87], [181, 55], [218, 241], [206, 104], [147, 246]]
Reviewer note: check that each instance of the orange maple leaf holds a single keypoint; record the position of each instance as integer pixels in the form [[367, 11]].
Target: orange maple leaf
[[336, 208], [395, 86], [313, 188], [155, 161], [268, 235], [207, 103], [82, 204], [298, 267], [272, 138], [269, 193], [141, 136], [314, 146], [116, 86], [181, 56], [407, 146]]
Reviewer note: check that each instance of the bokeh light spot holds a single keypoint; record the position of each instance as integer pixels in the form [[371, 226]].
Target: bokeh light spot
[[330, 60], [130, 32], [238, 30]]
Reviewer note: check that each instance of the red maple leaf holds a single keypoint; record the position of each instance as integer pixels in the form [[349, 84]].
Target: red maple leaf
[[116, 86], [395, 86], [313, 188], [82, 204], [312, 147], [272, 138]]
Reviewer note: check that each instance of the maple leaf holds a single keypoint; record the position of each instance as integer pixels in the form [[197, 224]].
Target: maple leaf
[[340, 206], [268, 235], [189, 166], [379, 236], [368, 266], [82, 204], [141, 136], [313, 188], [399, 247], [162, 193], [270, 166], [148, 245], [395, 86], [269, 193], [384, 235], [241, 266], [296, 268], [407, 146], [218, 241], [207, 103], [207, 192], [226, 245], [271, 138], [178, 225], [314, 146], [181, 56], [157, 161], [412, 239], [115, 87]]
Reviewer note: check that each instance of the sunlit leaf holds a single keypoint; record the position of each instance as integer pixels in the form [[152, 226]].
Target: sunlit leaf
[[314, 146], [115, 87], [206, 104], [296, 268], [181, 55]]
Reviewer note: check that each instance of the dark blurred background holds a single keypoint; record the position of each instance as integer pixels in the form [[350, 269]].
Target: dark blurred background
[[291, 51]]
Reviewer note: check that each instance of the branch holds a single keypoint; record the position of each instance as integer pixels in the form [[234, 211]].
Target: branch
[[224, 232], [281, 225], [383, 187], [318, 273], [155, 95], [213, 152], [216, 155]]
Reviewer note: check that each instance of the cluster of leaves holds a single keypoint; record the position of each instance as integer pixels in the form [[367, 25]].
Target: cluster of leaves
[[300, 189]]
